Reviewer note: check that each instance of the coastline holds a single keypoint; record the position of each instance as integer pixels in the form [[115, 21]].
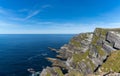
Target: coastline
[[79, 55]]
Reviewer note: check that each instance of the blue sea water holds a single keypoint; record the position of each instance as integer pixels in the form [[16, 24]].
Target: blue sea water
[[18, 52]]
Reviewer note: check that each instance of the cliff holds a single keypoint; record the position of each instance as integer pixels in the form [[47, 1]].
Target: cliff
[[88, 54]]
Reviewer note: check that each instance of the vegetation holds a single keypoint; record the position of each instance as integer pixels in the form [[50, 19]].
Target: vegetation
[[74, 73], [48, 74], [83, 36], [75, 43], [91, 64], [99, 33], [113, 63], [59, 72], [100, 51], [76, 40], [79, 57], [95, 39]]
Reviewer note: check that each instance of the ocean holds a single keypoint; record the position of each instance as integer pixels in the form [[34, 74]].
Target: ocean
[[18, 52]]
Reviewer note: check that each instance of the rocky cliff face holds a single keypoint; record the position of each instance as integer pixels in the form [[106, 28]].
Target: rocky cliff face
[[88, 54]]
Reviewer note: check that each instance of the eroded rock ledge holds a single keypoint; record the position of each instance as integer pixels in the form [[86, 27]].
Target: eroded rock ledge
[[88, 54]]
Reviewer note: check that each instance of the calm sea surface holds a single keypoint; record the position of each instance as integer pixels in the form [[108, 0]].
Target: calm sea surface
[[20, 52]]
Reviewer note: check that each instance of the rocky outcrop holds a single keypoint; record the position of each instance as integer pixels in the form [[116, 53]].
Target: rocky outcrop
[[54, 71], [107, 48], [86, 54], [114, 38]]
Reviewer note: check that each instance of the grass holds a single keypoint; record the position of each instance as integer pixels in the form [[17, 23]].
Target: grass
[[48, 74], [76, 40], [59, 72], [113, 63], [75, 43], [79, 57], [91, 64], [100, 51], [99, 33], [74, 73]]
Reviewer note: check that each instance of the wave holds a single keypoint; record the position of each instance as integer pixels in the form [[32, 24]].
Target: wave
[[33, 57], [44, 54]]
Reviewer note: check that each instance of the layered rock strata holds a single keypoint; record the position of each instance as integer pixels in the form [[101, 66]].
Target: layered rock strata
[[87, 54]]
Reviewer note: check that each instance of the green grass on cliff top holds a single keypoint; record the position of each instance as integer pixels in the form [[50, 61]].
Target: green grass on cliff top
[[113, 63]]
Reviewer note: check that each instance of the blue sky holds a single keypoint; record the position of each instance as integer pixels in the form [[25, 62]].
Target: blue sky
[[57, 16]]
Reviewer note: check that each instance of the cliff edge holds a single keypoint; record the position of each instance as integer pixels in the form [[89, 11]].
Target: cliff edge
[[88, 54]]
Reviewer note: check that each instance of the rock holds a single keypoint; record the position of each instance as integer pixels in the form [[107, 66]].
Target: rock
[[33, 72], [112, 74], [93, 51], [84, 68], [58, 63], [107, 48], [114, 38], [43, 73], [64, 54], [51, 71], [85, 54], [53, 49], [48, 72], [117, 45]]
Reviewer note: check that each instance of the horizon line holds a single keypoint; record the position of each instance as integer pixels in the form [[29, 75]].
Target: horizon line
[[38, 33]]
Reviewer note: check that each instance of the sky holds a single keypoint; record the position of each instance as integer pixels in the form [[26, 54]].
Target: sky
[[57, 16]]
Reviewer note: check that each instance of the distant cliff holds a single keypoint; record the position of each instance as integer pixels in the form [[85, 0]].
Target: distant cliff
[[88, 54]]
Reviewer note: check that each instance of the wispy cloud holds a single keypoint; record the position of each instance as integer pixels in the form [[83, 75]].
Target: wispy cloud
[[52, 27], [4, 11], [46, 6], [7, 13], [37, 11], [14, 15], [4, 25], [33, 13], [30, 15], [23, 10]]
